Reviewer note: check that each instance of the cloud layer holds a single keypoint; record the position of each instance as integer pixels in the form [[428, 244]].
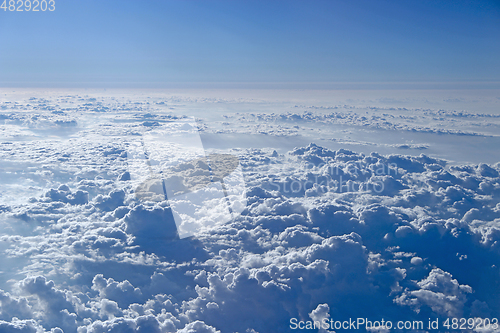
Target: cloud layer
[[325, 233]]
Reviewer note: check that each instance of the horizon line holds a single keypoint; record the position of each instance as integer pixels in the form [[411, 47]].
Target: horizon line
[[314, 85]]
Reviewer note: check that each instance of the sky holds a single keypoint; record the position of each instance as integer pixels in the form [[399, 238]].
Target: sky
[[96, 43]]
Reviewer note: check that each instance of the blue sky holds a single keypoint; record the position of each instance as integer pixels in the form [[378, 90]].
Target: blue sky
[[156, 42]]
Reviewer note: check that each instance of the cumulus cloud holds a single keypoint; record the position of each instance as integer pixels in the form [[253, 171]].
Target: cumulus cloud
[[440, 292], [321, 233]]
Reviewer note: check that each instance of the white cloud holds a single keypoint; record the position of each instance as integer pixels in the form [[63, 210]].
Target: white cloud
[[315, 236]]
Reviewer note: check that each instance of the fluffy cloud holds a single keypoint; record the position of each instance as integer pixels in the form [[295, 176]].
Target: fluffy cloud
[[439, 292], [325, 233]]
